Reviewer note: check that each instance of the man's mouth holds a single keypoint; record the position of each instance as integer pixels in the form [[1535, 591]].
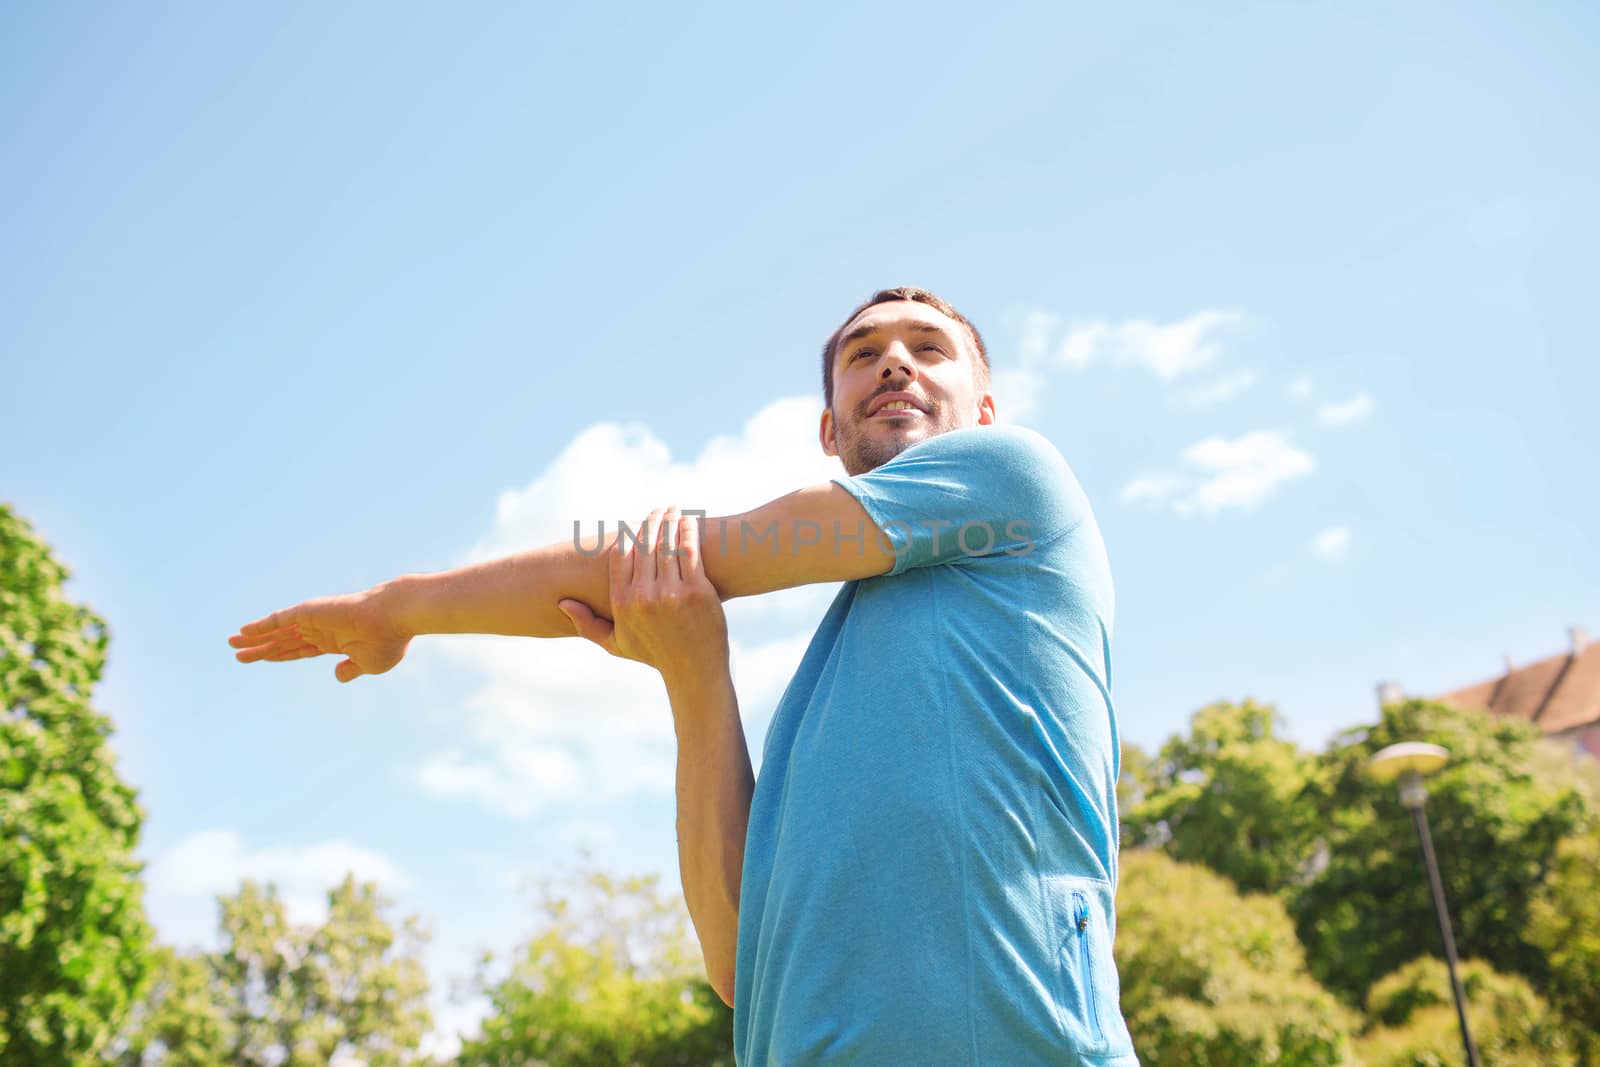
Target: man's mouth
[[900, 403]]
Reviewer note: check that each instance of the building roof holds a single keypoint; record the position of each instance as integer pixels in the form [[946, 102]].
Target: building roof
[[1559, 693]]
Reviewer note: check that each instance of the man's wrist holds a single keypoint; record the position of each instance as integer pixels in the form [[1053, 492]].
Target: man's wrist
[[399, 602], [696, 694]]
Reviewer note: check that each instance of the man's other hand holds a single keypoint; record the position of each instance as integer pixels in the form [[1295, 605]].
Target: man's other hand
[[354, 625], [667, 612]]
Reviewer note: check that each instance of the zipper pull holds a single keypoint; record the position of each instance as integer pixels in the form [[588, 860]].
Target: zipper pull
[[1083, 913]]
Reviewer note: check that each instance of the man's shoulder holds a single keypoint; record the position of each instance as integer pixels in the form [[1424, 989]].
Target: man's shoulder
[[998, 452], [994, 437], [1024, 459]]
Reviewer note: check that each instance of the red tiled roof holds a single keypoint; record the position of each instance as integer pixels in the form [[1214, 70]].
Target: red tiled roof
[[1558, 693]]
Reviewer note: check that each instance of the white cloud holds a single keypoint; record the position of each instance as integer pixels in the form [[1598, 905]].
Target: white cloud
[[516, 783], [1224, 473], [783, 612], [621, 470], [1331, 544], [557, 722], [1350, 411], [1216, 392], [1155, 487], [1242, 471], [1037, 328], [1169, 351], [1016, 389], [185, 880], [1300, 388], [762, 672], [1016, 393]]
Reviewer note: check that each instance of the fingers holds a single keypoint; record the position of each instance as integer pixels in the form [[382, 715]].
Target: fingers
[[619, 569], [656, 557], [669, 569], [587, 623], [277, 649], [634, 552], [347, 671], [689, 544], [267, 627], [646, 560], [243, 640]]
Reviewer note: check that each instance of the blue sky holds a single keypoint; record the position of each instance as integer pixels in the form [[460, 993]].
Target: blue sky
[[302, 297]]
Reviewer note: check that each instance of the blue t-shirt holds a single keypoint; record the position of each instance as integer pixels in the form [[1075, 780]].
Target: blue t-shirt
[[932, 848]]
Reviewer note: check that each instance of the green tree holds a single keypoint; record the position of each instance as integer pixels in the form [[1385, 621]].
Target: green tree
[[278, 993], [1214, 978], [73, 935], [180, 1018], [1134, 783], [613, 978], [1413, 1020], [1564, 924], [1228, 794], [1498, 811]]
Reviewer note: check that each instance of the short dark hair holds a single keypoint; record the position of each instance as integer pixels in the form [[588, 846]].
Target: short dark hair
[[884, 296]]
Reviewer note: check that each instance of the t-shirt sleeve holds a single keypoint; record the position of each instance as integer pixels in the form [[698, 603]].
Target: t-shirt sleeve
[[971, 493]]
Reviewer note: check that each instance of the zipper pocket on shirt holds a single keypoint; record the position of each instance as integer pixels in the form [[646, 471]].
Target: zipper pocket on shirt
[[1080, 919]]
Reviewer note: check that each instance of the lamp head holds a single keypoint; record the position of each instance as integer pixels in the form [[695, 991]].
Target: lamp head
[[1408, 761], [1390, 763]]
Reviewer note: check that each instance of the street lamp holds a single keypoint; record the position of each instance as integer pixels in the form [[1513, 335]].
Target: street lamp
[[1408, 762]]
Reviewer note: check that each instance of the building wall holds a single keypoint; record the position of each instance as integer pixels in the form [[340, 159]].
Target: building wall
[[1584, 739]]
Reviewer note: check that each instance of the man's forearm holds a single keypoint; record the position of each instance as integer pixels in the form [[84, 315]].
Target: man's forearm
[[714, 785], [514, 595]]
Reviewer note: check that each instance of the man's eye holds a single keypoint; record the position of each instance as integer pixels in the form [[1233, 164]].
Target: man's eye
[[861, 352]]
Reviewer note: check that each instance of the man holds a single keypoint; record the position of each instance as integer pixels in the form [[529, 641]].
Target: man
[[925, 872]]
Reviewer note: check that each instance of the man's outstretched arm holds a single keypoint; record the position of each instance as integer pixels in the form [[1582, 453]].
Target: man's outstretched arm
[[817, 534]]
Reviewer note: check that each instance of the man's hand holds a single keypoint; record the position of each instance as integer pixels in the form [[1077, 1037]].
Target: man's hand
[[355, 625], [667, 612]]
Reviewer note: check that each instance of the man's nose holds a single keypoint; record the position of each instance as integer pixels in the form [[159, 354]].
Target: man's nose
[[897, 360]]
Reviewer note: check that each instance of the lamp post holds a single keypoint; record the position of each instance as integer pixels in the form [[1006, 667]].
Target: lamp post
[[1407, 762]]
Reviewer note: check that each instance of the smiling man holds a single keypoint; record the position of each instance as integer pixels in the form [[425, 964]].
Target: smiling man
[[943, 383], [925, 871]]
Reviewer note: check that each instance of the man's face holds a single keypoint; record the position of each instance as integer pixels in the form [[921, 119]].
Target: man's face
[[908, 352]]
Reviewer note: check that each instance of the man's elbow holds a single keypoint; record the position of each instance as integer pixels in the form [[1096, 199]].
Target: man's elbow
[[721, 980]]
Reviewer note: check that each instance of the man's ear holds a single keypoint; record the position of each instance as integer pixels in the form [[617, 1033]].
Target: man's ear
[[825, 434], [986, 409]]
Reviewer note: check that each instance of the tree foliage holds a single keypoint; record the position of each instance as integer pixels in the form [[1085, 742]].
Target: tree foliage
[[181, 1019], [73, 935], [1414, 1021], [1228, 794], [1564, 924], [1213, 978], [1515, 821], [612, 977], [1498, 812], [283, 994]]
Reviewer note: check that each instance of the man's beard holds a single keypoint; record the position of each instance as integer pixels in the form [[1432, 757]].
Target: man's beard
[[863, 451]]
